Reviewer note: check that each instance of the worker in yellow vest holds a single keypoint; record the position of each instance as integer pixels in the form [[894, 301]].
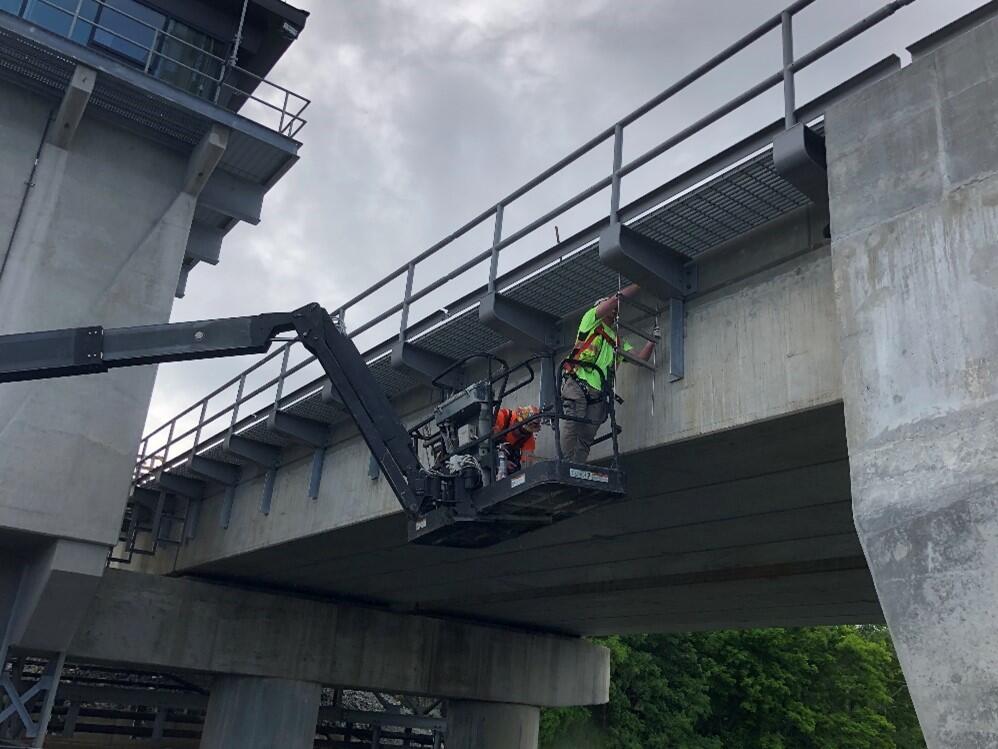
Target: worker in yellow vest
[[585, 389]]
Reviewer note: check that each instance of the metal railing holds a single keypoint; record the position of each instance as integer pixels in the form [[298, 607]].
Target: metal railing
[[225, 83], [161, 445]]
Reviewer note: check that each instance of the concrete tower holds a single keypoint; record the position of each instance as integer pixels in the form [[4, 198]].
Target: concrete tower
[[133, 137]]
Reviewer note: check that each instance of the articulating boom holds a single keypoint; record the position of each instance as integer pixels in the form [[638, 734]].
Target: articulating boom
[[464, 506]]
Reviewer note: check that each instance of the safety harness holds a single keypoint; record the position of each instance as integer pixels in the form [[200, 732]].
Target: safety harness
[[570, 368]]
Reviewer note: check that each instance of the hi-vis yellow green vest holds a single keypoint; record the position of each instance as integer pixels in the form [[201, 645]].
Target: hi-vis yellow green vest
[[600, 351]]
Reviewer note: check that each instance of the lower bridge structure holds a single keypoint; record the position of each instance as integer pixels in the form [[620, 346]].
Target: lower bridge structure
[[813, 444]]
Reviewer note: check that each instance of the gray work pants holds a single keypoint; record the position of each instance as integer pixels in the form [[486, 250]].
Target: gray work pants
[[577, 437]]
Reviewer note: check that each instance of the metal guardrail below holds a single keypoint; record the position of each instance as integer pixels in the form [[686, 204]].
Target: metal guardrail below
[[231, 87], [166, 442]]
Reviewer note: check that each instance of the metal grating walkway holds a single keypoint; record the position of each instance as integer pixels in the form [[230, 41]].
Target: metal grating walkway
[[728, 206]]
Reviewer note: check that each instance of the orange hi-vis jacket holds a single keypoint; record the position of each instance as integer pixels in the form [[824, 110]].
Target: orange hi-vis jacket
[[521, 439]]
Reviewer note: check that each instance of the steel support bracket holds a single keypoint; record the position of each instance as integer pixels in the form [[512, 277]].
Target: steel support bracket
[[656, 268], [425, 365], [306, 431], [258, 453], [520, 323], [185, 487], [799, 157], [225, 474]]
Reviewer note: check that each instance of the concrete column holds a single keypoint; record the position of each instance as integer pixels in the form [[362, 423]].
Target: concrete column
[[254, 713], [913, 170], [491, 725]]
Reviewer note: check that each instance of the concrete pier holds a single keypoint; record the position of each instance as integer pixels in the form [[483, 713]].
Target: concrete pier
[[489, 725], [914, 197], [252, 713]]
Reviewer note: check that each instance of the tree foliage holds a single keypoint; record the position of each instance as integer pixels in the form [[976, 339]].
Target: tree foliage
[[816, 688]]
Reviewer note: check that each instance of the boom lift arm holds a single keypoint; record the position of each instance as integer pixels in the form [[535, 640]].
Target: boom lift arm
[[76, 351]]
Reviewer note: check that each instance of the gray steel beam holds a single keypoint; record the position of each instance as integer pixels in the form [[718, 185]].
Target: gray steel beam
[[225, 474], [258, 453], [329, 395], [204, 243], [233, 197], [520, 323], [306, 431], [424, 364], [799, 157], [655, 267], [182, 485]]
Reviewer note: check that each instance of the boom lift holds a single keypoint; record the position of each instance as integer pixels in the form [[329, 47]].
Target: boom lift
[[454, 501]]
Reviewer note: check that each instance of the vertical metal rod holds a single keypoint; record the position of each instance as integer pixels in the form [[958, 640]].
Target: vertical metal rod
[[239, 397], [197, 433], [284, 111], [789, 94], [496, 239], [618, 158], [284, 372], [410, 274], [157, 518], [76, 17], [169, 441], [152, 51], [228, 500]]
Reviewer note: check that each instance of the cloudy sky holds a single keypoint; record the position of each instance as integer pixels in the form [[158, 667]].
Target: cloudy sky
[[425, 112]]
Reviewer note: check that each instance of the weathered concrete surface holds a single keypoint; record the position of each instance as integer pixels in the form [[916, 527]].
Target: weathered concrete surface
[[482, 725], [189, 625], [914, 192], [251, 713], [99, 241], [738, 511]]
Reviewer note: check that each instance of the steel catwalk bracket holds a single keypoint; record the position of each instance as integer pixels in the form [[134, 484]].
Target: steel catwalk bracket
[[425, 365], [520, 323], [258, 453], [306, 431], [799, 157], [185, 487], [225, 474], [656, 268]]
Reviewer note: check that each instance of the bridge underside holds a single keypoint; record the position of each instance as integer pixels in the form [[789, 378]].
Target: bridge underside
[[747, 528]]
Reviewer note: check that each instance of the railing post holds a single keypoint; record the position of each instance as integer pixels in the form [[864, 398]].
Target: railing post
[[152, 51], [496, 239], [169, 441], [76, 17], [197, 433], [284, 110], [235, 407], [410, 274], [789, 94], [618, 158], [284, 371]]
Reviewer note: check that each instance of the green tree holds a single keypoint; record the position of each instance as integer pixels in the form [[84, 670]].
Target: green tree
[[817, 688]]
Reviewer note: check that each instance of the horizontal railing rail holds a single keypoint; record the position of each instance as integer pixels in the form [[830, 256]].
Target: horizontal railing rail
[[277, 108], [155, 453]]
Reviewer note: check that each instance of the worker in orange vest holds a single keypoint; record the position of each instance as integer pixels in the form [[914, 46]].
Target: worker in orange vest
[[517, 444]]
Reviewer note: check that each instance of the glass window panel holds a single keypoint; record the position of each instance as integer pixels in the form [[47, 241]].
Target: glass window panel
[[189, 59], [128, 28], [12, 6], [57, 16]]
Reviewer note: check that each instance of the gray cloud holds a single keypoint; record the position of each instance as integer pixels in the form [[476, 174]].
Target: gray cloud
[[427, 111]]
